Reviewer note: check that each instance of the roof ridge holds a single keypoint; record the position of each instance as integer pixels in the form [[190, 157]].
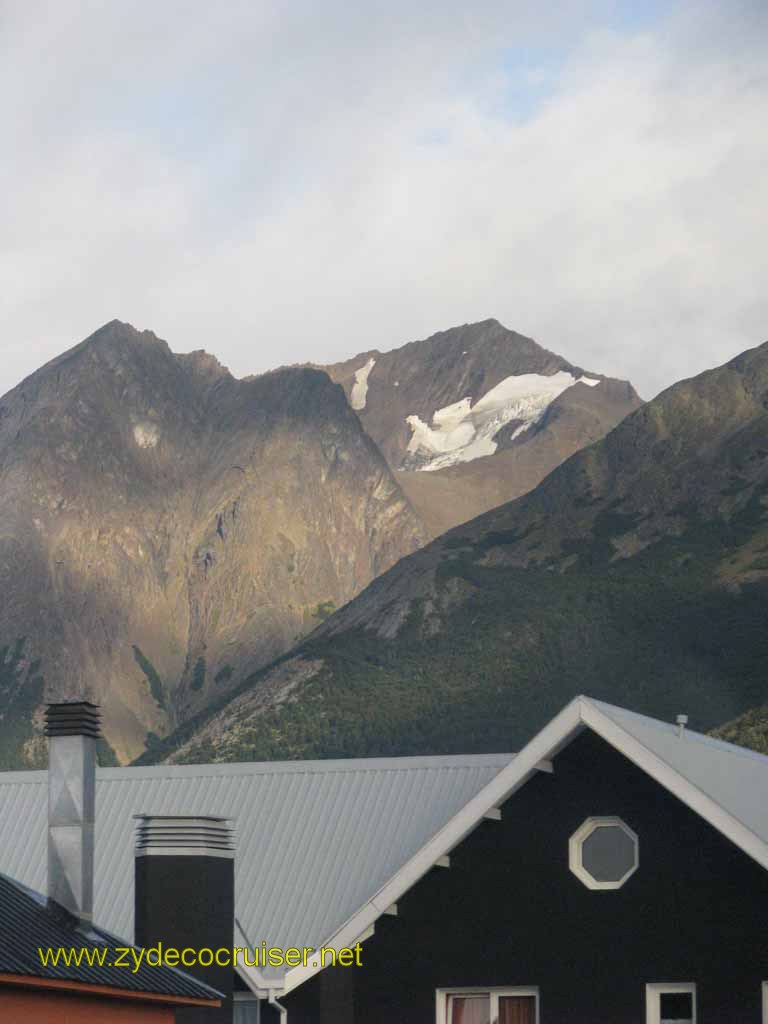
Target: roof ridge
[[701, 737], [211, 770]]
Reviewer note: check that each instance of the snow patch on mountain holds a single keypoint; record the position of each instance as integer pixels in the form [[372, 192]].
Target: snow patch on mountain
[[360, 387], [462, 432], [146, 435]]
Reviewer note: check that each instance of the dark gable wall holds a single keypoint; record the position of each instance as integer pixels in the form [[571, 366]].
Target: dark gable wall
[[509, 912]]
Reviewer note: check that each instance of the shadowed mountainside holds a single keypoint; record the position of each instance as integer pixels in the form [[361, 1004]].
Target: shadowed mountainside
[[165, 529]]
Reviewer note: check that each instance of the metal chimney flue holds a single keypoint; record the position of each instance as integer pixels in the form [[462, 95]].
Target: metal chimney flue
[[73, 730]]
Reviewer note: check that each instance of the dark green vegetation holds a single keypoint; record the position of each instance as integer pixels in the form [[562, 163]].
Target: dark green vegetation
[[653, 632], [748, 730], [21, 690], [155, 682], [324, 610], [105, 755], [198, 676]]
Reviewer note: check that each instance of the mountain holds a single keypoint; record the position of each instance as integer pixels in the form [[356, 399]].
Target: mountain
[[166, 529], [636, 572], [438, 409]]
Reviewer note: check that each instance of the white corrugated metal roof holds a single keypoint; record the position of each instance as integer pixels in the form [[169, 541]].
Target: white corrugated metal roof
[[315, 839]]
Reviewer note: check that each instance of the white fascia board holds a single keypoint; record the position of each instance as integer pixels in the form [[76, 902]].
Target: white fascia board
[[552, 738], [677, 784], [255, 982]]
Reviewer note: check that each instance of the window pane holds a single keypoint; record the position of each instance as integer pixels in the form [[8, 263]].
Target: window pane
[[245, 1012], [608, 853], [676, 1007], [470, 1010], [517, 1010]]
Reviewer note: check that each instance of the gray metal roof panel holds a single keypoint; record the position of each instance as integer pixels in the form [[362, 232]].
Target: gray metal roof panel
[[315, 840]]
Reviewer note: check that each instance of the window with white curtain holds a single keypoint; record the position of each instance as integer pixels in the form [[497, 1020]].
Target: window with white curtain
[[488, 1006]]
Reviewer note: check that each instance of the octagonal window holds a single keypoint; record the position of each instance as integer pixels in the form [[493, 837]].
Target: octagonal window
[[603, 853]]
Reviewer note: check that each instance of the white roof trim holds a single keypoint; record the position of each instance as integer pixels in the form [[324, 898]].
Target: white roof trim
[[554, 736], [581, 713]]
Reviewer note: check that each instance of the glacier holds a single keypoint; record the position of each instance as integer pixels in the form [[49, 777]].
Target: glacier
[[462, 432]]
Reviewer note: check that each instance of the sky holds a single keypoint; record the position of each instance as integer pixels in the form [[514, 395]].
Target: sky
[[288, 182]]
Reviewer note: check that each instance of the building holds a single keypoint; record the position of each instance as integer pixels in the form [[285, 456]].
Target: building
[[56, 965], [614, 871], [37, 994]]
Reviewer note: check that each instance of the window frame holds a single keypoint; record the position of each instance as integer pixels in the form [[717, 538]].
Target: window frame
[[579, 837], [660, 988], [442, 996], [764, 988]]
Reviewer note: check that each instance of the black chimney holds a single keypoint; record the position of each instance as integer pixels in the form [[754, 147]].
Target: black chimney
[[185, 899]]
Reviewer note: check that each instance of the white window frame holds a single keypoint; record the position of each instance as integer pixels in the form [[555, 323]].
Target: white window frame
[[660, 988], [443, 994], [576, 842]]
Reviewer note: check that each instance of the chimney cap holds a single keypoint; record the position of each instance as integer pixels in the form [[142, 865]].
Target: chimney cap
[[73, 718], [175, 835], [181, 817]]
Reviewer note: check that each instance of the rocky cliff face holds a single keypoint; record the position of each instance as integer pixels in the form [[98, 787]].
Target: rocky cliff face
[[166, 529], [636, 572], [477, 415]]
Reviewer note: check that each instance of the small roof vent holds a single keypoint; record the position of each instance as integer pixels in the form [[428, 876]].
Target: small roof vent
[[682, 721], [73, 718], [202, 836]]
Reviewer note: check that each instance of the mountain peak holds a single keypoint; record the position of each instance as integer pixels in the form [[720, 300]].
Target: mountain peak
[[203, 363], [447, 403], [168, 529], [120, 330]]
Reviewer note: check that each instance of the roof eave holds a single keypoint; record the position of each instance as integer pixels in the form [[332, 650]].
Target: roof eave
[[567, 724], [107, 991]]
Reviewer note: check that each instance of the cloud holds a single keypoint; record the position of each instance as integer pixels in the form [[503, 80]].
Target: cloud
[[279, 183]]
